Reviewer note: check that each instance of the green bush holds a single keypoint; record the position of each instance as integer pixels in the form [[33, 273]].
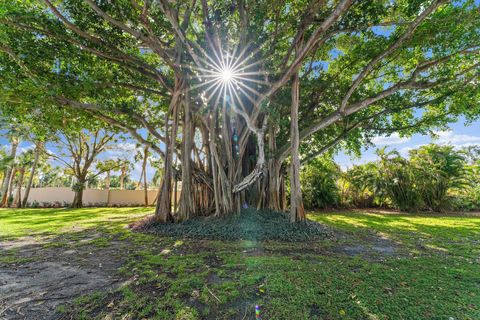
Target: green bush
[[434, 177], [437, 169], [319, 184]]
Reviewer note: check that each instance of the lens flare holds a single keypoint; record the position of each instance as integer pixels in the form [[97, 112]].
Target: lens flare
[[227, 75], [232, 78]]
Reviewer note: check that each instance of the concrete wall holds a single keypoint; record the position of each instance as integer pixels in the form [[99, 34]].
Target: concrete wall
[[127, 197], [91, 197]]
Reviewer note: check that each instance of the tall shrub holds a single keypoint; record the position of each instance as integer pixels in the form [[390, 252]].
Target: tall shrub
[[438, 169], [319, 183]]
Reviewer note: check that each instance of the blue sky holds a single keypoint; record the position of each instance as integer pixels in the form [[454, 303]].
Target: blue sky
[[459, 135]]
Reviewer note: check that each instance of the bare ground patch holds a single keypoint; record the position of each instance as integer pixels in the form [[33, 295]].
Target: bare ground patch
[[56, 271]]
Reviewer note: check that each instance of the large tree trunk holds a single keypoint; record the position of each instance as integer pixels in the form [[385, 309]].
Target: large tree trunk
[[270, 192], [8, 173], [221, 185], [163, 210], [78, 197], [186, 208], [297, 212], [38, 148], [18, 196]]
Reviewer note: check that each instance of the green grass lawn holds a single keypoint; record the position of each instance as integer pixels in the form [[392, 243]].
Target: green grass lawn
[[38, 222], [379, 266]]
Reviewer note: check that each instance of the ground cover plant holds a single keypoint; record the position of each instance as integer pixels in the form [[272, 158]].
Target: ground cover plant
[[250, 224], [378, 266]]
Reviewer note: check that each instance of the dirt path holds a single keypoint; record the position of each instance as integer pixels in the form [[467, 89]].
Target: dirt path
[[47, 273]]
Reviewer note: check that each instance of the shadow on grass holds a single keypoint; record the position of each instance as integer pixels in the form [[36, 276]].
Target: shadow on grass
[[455, 233]]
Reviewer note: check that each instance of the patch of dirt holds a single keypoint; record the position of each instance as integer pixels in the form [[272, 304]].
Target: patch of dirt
[[371, 247], [54, 275], [23, 242], [35, 290]]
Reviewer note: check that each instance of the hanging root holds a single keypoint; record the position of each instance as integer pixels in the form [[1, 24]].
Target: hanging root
[[256, 174]]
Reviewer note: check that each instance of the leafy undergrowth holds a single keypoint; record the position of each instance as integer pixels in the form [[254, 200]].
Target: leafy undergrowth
[[250, 224], [432, 272]]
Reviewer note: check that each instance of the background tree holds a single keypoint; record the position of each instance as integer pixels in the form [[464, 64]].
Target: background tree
[[107, 166], [319, 183], [142, 155], [54, 176], [5, 163], [78, 151], [10, 169], [39, 149], [125, 167], [24, 161]]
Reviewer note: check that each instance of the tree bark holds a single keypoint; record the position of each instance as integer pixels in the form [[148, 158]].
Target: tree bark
[[18, 196], [144, 169], [78, 197], [123, 172], [38, 147], [186, 209], [107, 181], [8, 172], [297, 212], [10, 186], [163, 210]]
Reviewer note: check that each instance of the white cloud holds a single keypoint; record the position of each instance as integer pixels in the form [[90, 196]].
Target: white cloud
[[389, 140], [25, 149], [124, 150], [457, 140], [405, 150]]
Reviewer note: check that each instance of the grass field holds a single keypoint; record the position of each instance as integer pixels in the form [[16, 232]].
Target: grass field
[[378, 266]]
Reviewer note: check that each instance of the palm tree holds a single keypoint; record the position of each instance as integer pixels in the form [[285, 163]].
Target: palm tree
[[36, 158], [438, 169], [125, 167], [25, 160], [143, 155], [9, 172], [107, 166], [5, 162]]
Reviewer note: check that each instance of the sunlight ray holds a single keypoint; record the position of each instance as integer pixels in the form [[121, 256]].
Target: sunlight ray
[[240, 101], [199, 85], [246, 87], [252, 80], [247, 95]]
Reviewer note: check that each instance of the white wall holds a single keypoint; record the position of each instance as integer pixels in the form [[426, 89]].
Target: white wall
[[92, 197], [127, 197]]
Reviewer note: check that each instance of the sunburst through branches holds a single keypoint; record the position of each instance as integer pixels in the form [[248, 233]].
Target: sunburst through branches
[[230, 77]]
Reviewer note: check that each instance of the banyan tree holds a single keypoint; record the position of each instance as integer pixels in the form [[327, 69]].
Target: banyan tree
[[234, 95]]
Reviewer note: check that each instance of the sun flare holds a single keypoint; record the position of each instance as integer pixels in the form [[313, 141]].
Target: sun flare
[[227, 75], [230, 77]]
